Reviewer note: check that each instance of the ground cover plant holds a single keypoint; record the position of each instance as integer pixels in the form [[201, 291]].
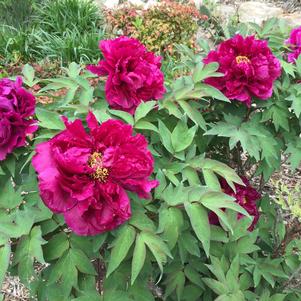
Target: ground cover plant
[[131, 183]]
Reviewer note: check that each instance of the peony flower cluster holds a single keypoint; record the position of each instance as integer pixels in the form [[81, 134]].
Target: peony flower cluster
[[16, 108], [249, 68], [246, 196], [134, 74], [85, 175], [294, 43]]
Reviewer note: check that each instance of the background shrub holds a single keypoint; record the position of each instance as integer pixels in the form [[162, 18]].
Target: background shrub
[[160, 27]]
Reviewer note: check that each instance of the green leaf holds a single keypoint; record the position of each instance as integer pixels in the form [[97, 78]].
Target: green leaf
[[98, 241], [197, 73], [29, 248], [165, 137], [28, 73], [143, 109], [193, 114], [56, 246], [16, 224], [4, 260], [209, 70], [207, 90], [213, 200], [146, 125], [170, 224], [175, 282], [182, 137], [198, 216], [86, 96], [158, 248], [9, 198], [82, 262], [128, 118], [211, 180], [294, 150], [218, 287], [65, 273], [288, 68], [49, 119], [122, 244], [138, 257]]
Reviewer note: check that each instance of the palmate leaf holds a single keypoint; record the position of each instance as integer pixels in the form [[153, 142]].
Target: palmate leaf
[[294, 150], [215, 167], [170, 224], [9, 198], [121, 246], [138, 257], [198, 216], [29, 249], [182, 137], [254, 138], [279, 114]]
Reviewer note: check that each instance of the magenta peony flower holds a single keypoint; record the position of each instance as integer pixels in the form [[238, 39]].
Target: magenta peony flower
[[16, 106], [249, 66], [84, 175], [294, 43], [246, 197], [134, 74]]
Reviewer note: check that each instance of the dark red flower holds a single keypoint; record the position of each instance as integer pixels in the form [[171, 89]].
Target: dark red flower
[[249, 68], [246, 196], [84, 175], [134, 74], [16, 107], [294, 43]]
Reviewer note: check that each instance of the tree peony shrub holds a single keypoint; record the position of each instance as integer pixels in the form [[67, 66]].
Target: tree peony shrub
[[16, 107], [134, 74], [112, 204], [83, 176], [249, 66]]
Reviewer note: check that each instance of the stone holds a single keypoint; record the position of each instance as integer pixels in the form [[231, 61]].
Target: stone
[[107, 3], [225, 12], [137, 2], [257, 12], [293, 20]]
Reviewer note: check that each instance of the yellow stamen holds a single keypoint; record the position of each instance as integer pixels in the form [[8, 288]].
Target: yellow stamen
[[242, 59], [100, 173]]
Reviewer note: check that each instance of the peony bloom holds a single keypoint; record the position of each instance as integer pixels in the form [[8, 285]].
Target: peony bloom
[[16, 106], [246, 197], [294, 43], [84, 175], [134, 74], [249, 66]]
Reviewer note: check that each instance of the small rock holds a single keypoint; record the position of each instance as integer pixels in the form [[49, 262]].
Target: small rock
[[225, 12], [293, 20], [137, 2], [107, 3], [257, 12]]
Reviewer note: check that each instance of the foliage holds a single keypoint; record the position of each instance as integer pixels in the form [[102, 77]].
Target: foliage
[[17, 13], [168, 250], [59, 16], [289, 198], [67, 30], [158, 27]]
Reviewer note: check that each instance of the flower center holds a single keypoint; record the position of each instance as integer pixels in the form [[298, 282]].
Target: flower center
[[242, 59], [100, 173]]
